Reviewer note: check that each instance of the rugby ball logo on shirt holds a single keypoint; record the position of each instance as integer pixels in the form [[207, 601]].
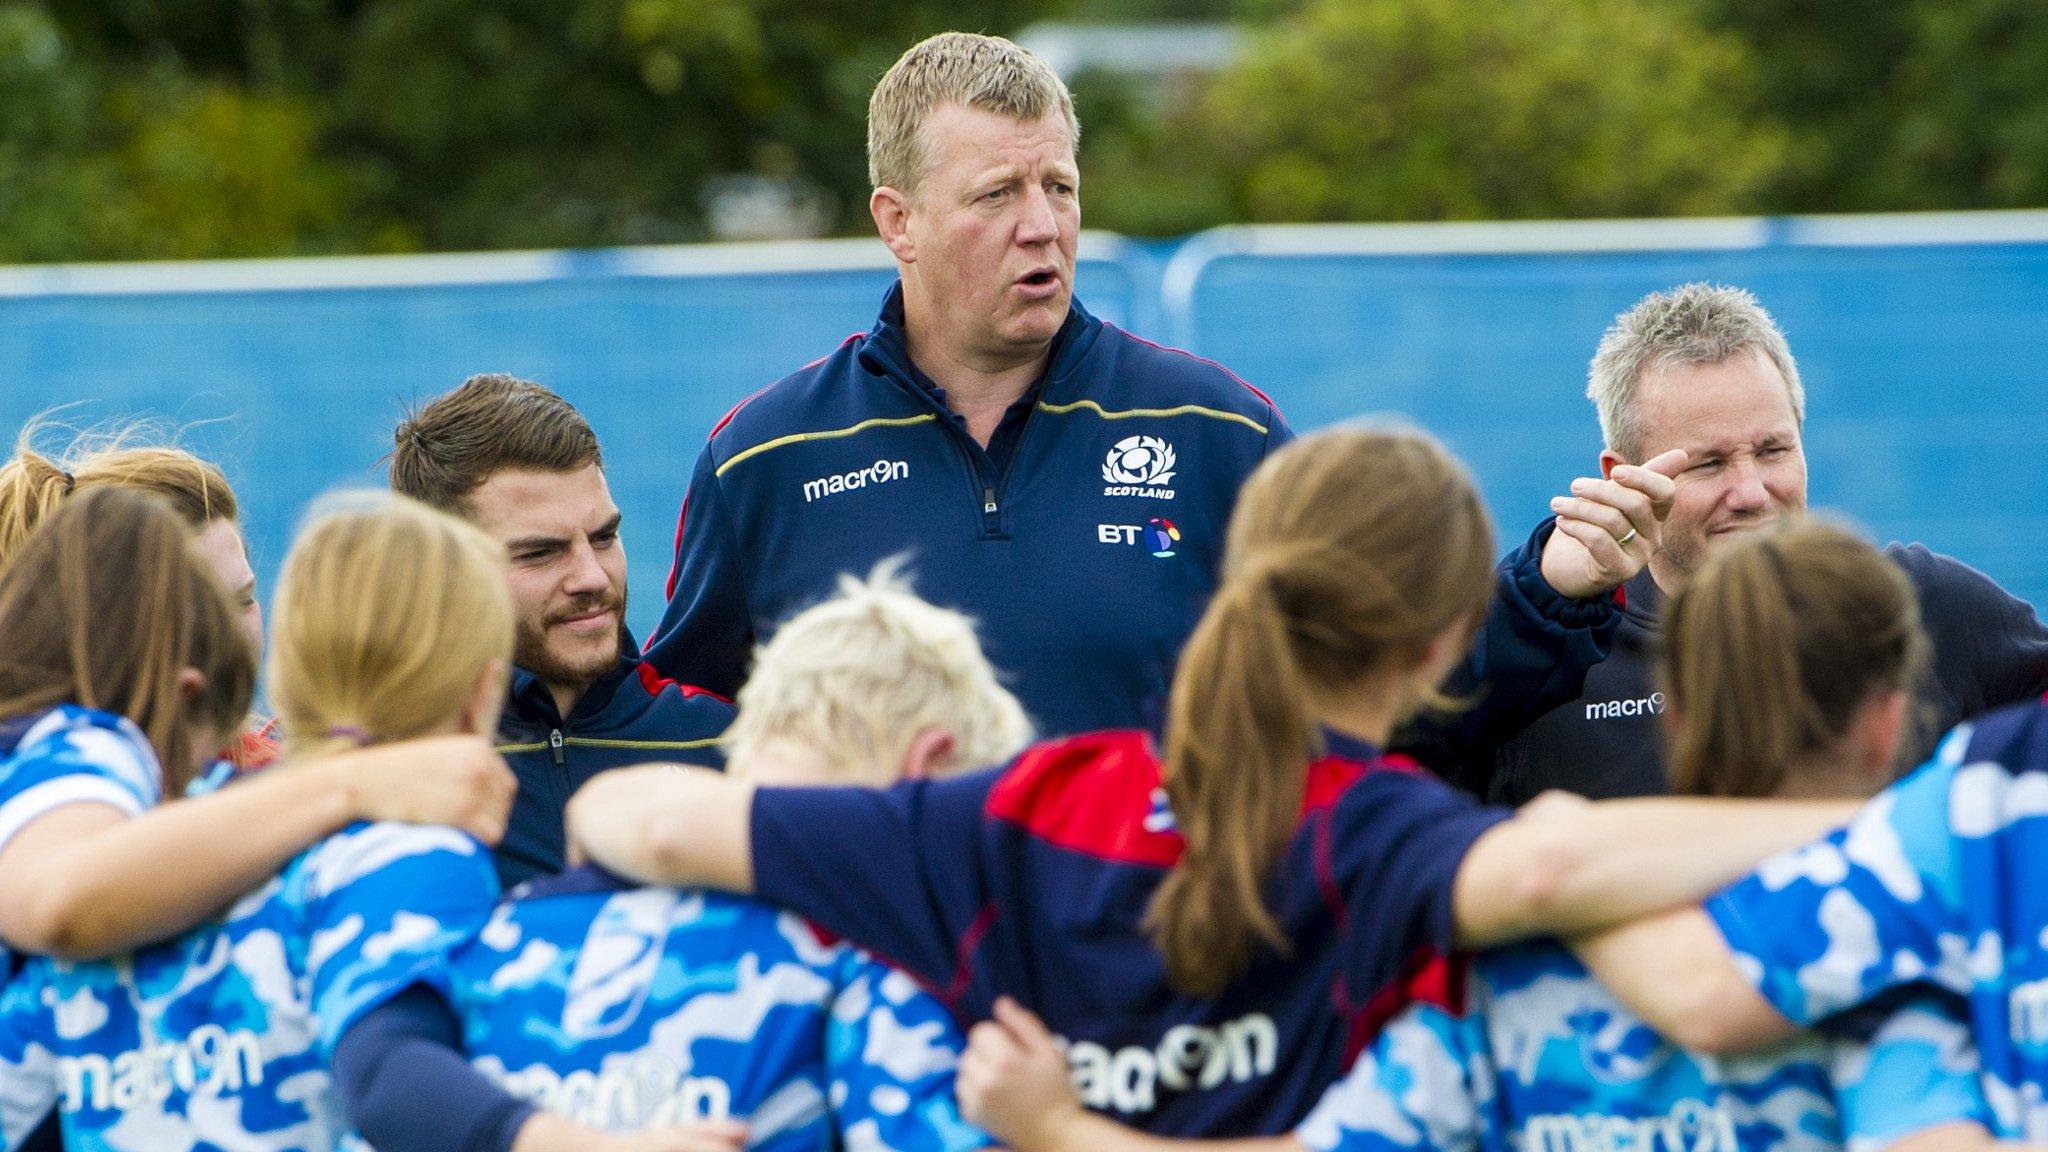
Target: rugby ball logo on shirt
[[1139, 466]]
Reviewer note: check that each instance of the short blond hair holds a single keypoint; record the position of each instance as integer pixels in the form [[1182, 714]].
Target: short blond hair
[[974, 71], [856, 678], [1695, 324], [386, 614]]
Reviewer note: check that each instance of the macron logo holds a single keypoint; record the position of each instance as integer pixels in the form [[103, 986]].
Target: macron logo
[[212, 1059], [880, 472], [1189, 1056], [1649, 705], [1691, 1126]]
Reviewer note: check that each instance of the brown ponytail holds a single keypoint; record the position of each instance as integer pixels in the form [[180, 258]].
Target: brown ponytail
[[1773, 646], [1348, 552], [102, 605]]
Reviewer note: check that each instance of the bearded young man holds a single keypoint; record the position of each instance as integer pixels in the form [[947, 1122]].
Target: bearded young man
[[521, 463]]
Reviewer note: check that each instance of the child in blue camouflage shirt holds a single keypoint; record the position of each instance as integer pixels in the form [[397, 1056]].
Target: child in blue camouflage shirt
[[621, 1007]]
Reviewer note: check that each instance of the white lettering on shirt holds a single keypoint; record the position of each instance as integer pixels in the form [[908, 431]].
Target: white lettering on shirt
[[1690, 1126], [649, 1091], [1649, 705], [1188, 1056], [2028, 1006], [212, 1059], [880, 472]]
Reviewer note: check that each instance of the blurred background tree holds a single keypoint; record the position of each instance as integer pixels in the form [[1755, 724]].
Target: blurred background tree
[[1926, 104], [1444, 109], [175, 128]]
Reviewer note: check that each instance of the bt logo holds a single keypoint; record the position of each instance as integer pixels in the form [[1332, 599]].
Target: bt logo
[[1158, 535]]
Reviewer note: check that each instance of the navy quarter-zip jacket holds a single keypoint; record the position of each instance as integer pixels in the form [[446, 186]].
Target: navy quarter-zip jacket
[[630, 716], [1988, 649], [1085, 577], [1086, 545]]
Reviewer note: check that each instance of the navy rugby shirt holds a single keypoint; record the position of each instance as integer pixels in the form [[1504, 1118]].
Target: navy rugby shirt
[[1086, 556], [1085, 539], [1030, 880]]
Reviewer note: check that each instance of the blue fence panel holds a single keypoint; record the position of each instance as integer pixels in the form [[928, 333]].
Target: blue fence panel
[[303, 381], [1923, 344], [1923, 341]]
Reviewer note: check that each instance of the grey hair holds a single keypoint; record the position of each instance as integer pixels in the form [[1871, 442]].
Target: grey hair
[[1695, 324], [974, 71]]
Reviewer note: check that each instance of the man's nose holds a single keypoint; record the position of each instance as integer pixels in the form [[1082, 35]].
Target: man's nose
[[585, 573], [1039, 224], [1746, 489]]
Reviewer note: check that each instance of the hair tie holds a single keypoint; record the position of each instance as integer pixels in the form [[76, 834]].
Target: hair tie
[[70, 481], [349, 732]]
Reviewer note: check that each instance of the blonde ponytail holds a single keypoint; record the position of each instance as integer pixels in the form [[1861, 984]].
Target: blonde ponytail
[[31, 487], [32, 484]]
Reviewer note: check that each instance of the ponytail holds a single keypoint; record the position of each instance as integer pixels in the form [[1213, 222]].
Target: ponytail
[[1239, 733], [1349, 552], [387, 614], [1773, 646], [31, 487]]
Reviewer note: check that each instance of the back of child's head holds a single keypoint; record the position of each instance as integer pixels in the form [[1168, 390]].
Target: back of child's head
[[32, 484], [1350, 553], [103, 605], [387, 615], [853, 680], [1773, 647]]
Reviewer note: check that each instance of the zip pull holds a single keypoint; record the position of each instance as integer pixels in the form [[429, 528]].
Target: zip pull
[[988, 501], [555, 742]]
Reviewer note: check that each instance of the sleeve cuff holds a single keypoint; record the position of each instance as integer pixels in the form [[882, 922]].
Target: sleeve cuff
[[51, 795], [1773, 979], [1524, 568]]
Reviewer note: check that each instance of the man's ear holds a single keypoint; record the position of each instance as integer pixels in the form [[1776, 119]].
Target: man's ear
[[930, 754], [190, 681], [1609, 459], [891, 210]]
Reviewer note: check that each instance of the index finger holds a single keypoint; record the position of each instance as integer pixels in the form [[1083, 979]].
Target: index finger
[[1656, 479], [1668, 464]]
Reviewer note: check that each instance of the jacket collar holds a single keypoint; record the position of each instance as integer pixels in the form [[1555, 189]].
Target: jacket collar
[[528, 697], [886, 351], [1348, 747]]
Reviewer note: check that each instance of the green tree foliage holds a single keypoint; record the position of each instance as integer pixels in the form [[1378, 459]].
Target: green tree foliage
[[1919, 104], [167, 128], [1444, 109], [229, 127]]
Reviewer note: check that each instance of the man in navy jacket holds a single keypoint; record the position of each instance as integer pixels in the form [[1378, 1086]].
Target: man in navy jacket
[[1705, 369], [522, 464], [1063, 481]]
